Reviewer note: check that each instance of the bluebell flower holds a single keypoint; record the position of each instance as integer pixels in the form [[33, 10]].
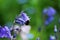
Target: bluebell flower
[[1, 32], [50, 19], [22, 18], [46, 22], [5, 32], [49, 11], [18, 21]]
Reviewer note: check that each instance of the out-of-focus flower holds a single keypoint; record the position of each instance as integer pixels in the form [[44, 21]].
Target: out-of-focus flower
[[50, 19], [22, 18], [5, 32], [1, 32], [22, 1], [55, 28], [49, 11], [25, 29], [46, 22], [52, 37]]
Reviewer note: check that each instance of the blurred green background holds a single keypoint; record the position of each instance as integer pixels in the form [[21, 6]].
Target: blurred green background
[[9, 9]]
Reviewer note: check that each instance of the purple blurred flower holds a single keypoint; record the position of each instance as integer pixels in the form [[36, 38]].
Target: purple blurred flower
[[8, 33], [50, 19], [49, 11], [1, 32], [46, 22], [5, 32], [24, 16]]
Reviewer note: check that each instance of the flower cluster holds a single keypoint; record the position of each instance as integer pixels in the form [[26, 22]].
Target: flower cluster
[[50, 12], [24, 29], [22, 19]]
